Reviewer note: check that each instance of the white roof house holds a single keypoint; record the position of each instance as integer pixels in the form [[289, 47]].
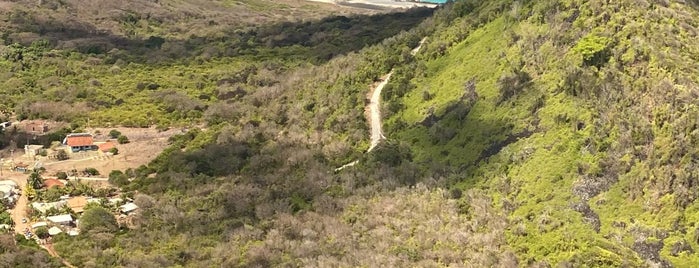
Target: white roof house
[[128, 207], [43, 207], [54, 230], [8, 182], [6, 191], [39, 224], [73, 232], [60, 219]]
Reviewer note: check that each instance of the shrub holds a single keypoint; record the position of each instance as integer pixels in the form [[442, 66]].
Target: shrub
[[61, 155], [92, 171], [123, 139], [61, 175], [114, 133], [118, 178]]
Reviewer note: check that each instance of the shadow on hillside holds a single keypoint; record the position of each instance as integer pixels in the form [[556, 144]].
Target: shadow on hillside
[[318, 40], [452, 144]]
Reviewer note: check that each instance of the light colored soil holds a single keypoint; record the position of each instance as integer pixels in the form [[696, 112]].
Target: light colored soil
[[19, 211], [145, 144]]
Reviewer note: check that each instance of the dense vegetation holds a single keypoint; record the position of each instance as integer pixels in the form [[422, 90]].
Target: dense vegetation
[[582, 126], [20, 252], [530, 133], [102, 75]]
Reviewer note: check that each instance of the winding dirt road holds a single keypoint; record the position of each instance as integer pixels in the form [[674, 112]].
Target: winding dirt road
[[374, 110], [375, 113], [375, 105]]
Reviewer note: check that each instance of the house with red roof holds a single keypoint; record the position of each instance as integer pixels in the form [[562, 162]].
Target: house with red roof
[[80, 142]]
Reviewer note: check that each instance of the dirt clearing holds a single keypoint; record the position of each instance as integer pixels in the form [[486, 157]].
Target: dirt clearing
[[145, 144]]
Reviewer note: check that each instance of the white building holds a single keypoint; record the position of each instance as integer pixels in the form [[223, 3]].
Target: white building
[[54, 231], [43, 207], [128, 208], [64, 219], [39, 224]]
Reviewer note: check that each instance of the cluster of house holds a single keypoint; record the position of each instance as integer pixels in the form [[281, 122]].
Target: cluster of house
[[65, 222], [9, 191], [74, 142]]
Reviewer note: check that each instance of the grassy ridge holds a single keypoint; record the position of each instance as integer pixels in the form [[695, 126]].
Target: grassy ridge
[[547, 137]]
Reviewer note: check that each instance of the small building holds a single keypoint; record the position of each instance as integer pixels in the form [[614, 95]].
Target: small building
[[9, 193], [8, 182], [80, 142], [21, 167], [32, 150], [77, 204], [63, 219], [54, 231], [6, 191], [36, 127], [39, 224], [128, 208], [43, 207]]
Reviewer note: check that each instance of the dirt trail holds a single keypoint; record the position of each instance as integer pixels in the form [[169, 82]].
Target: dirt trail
[[375, 113], [19, 212], [374, 110], [49, 247], [375, 105]]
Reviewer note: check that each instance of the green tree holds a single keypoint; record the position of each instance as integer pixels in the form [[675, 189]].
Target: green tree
[[42, 232], [35, 180], [118, 178], [114, 133], [53, 194], [61, 175], [6, 218], [98, 218]]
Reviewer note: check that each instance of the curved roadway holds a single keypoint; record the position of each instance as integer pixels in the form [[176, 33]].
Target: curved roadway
[[374, 108]]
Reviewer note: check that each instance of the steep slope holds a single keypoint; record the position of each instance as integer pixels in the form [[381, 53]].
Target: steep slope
[[577, 117], [530, 133]]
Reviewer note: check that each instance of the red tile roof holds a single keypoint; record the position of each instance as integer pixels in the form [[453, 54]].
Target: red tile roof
[[49, 183], [82, 140], [105, 147]]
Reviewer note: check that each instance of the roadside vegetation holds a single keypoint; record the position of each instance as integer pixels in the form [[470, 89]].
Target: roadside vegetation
[[525, 133]]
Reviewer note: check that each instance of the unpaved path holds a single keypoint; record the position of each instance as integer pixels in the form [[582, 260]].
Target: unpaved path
[[375, 113], [374, 110], [49, 247], [19, 212], [375, 105]]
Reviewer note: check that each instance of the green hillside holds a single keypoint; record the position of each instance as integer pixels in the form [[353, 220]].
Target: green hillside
[[523, 133], [582, 128]]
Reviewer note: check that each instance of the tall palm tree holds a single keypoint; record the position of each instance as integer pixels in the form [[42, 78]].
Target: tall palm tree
[[35, 180]]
